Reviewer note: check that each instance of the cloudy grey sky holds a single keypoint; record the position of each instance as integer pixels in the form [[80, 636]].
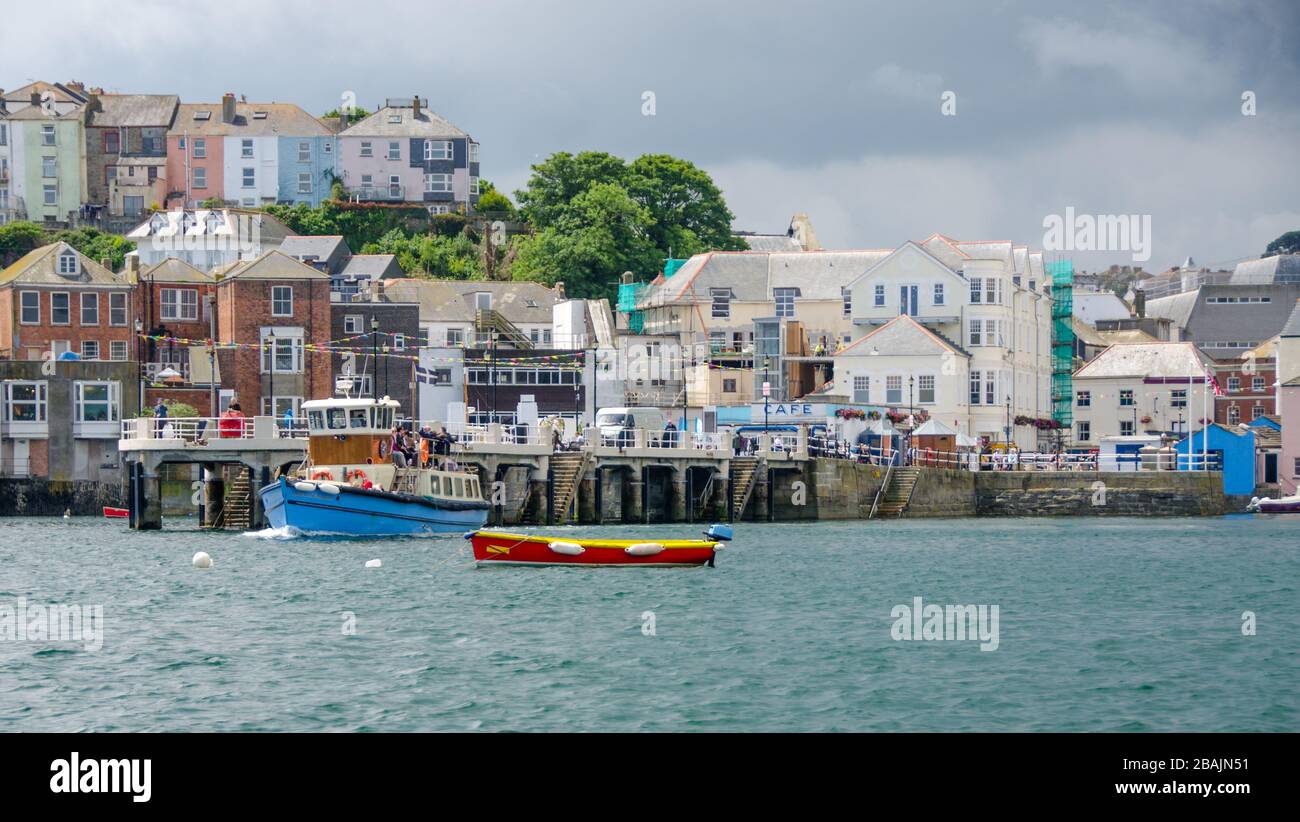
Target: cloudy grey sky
[[832, 108]]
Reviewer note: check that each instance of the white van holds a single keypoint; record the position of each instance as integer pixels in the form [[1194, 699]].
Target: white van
[[616, 424]]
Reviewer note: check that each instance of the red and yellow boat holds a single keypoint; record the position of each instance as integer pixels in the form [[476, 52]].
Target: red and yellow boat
[[504, 548]]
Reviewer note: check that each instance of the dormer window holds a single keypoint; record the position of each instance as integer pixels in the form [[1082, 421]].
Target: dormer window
[[259, 115], [157, 223], [394, 118], [203, 115], [187, 221], [213, 221], [69, 265]]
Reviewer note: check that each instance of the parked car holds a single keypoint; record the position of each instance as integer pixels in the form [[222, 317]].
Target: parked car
[[617, 424]]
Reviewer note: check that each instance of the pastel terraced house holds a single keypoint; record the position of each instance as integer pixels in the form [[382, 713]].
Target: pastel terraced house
[[126, 152], [248, 154], [406, 153], [47, 152]]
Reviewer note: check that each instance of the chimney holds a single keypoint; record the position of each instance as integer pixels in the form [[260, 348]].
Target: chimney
[[228, 107], [415, 107], [628, 277], [133, 268], [559, 289]]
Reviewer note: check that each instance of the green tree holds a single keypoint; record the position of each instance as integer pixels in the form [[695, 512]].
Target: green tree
[[491, 201], [109, 249], [688, 212], [1288, 243], [355, 116], [433, 255], [17, 238]]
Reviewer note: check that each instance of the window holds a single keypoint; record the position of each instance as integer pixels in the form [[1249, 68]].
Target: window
[[1126, 428], [1126, 397], [482, 300], [1295, 469], [304, 182], [455, 337], [938, 293], [117, 309], [1178, 398], [304, 152], [394, 151], [1234, 415], [48, 167], [89, 308], [112, 142], [437, 149], [117, 350], [846, 298], [785, 301], [473, 152], [1083, 431], [200, 147], [925, 389], [976, 290], [862, 389], [246, 149], [282, 301], [473, 185], [399, 342], [437, 183], [200, 177], [180, 304], [367, 150], [180, 143], [249, 178], [51, 195], [25, 401], [1257, 384], [894, 390], [96, 402], [286, 357], [880, 296], [721, 302], [353, 324], [1234, 383], [90, 349], [60, 312], [1083, 399], [975, 387], [993, 291], [728, 386], [47, 135], [31, 308], [68, 263], [975, 337]]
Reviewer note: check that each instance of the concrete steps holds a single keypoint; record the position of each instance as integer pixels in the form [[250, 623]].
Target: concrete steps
[[567, 469], [899, 493], [744, 476], [237, 510]]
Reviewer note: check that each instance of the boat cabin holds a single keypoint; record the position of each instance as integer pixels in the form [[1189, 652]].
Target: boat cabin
[[349, 431]]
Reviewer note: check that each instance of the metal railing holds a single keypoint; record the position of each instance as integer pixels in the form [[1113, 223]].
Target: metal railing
[[971, 460], [15, 467], [204, 430], [378, 193]]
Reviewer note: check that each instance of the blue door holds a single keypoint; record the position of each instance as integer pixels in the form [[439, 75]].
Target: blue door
[[907, 299]]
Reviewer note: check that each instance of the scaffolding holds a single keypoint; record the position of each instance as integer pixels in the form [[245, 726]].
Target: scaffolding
[[1062, 274], [629, 295]]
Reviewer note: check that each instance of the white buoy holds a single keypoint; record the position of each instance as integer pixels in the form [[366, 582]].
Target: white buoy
[[202, 560], [571, 549], [374, 563], [67, 513], [305, 487]]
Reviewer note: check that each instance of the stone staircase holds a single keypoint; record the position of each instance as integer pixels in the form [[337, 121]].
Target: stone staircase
[[899, 493], [744, 476], [236, 511], [567, 468]]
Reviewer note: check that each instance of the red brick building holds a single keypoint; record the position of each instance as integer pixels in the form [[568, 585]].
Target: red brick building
[[172, 301], [1247, 383], [274, 308], [55, 299]]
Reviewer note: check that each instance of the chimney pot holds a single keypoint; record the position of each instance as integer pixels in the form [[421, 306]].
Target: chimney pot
[[228, 107], [415, 106]]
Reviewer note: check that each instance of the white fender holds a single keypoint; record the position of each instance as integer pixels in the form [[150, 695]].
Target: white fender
[[305, 487], [569, 549], [643, 549], [328, 487], [374, 563]]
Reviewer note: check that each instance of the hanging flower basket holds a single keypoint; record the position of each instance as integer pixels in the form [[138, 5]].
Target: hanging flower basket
[[1146, 419]]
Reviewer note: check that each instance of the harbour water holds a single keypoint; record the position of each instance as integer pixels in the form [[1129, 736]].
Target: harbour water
[[1104, 625]]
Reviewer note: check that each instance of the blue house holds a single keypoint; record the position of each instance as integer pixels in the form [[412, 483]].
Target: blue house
[[306, 166], [1233, 450]]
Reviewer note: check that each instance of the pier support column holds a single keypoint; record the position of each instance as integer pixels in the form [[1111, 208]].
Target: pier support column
[[587, 498], [677, 508], [257, 479], [635, 495], [721, 497], [151, 506], [760, 495], [214, 495]]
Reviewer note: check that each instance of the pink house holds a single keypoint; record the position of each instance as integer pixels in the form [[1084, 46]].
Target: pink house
[[195, 157]]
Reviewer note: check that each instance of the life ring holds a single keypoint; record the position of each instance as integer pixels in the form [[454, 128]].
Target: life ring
[[355, 474], [322, 473]]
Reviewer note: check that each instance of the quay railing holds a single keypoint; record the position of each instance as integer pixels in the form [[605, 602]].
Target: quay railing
[[204, 430]]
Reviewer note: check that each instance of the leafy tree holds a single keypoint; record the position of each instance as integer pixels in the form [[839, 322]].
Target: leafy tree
[[436, 256], [98, 245], [686, 206], [17, 238], [1288, 243], [175, 408], [355, 116], [492, 201]]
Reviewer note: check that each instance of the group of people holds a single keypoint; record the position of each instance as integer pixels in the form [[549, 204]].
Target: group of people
[[425, 450]]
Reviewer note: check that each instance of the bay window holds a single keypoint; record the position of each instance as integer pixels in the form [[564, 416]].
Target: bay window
[[25, 401], [286, 356], [96, 402]]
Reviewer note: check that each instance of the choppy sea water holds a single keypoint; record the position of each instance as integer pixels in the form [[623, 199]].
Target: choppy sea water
[[1104, 625]]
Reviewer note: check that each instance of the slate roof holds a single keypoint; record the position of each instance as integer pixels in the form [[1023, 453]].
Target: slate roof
[[1280, 268], [371, 266], [453, 300], [282, 119], [1155, 359], [270, 229], [175, 270], [40, 266], [429, 124], [273, 265], [133, 110], [1204, 322], [770, 242], [1292, 327], [901, 335]]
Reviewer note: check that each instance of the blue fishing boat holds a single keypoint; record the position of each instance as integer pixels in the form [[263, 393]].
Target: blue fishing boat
[[350, 484]]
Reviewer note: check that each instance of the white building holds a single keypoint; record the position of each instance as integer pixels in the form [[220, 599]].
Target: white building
[[206, 238], [1138, 388], [985, 304]]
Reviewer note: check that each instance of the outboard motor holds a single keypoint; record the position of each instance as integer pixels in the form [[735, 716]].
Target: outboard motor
[[718, 532]]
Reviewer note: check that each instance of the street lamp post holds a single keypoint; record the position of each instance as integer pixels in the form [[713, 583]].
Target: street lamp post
[[911, 412], [385, 352], [1007, 430], [767, 390], [270, 342], [374, 357]]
